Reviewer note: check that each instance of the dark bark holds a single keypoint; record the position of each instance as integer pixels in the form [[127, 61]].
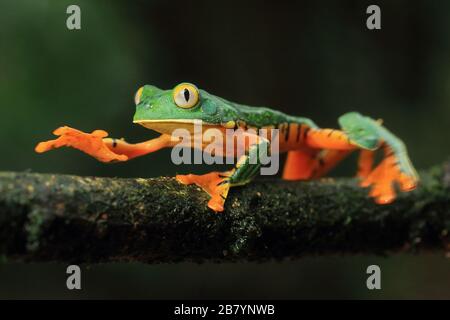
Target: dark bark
[[82, 219]]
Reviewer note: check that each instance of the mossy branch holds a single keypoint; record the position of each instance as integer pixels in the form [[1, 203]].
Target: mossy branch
[[81, 219]]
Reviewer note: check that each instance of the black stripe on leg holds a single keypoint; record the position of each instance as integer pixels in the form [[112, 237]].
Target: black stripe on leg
[[281, 128], [321, 162], [305, 133], [299, 130], [288, 128], [389, 153], [223, 182]]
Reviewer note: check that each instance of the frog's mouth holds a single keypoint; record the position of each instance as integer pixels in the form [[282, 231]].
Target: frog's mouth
[[169, 125]]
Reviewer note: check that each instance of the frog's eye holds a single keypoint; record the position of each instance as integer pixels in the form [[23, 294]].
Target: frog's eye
[[137, 97], [185, 95]]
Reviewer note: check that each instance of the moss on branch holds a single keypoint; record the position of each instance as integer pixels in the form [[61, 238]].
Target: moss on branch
[[85, 219]]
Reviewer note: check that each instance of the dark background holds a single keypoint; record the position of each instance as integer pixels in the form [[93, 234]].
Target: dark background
[[314, 59]]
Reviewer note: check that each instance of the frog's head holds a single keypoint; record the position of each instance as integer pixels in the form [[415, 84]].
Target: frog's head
[[166, 110]]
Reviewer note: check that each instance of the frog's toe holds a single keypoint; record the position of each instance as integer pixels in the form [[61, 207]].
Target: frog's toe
[[63, 140], [216, 204], [100, 133], [383, 193], [65, 130], [407, 182], [385, 198], [45, 146], [216, 184], [185, 179], [364, 183]]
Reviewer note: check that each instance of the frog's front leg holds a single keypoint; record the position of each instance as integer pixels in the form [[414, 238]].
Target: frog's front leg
[[217, 184], [97, 145], [134, 150]]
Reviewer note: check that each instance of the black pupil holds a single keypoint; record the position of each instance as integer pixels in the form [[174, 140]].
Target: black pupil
[[186, 94]]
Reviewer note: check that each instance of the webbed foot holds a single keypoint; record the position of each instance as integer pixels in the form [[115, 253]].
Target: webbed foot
[[383, 178], [216, 184], [90, 143]]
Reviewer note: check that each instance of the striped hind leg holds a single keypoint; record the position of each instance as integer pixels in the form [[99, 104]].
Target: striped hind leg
[[385, 175], [325, 149], [311, 163], [395, 168]]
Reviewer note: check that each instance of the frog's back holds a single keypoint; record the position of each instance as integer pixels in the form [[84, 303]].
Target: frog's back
[[262, 117]]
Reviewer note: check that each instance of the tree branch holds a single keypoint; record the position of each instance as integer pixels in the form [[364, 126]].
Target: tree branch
[[81, 219]]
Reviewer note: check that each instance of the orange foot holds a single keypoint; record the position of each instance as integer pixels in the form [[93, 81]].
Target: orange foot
[[90, 143], [216, 184], [383, 178]]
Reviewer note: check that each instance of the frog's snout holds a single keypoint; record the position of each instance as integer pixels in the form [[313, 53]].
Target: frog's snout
[[143, 112]]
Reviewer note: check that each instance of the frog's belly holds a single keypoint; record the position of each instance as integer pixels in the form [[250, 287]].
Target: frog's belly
[[220, 141], [234, 143]]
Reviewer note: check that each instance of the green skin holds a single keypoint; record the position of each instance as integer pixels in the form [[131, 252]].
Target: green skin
[[156, 104]]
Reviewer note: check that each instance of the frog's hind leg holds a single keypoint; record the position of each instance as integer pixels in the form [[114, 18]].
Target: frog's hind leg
[[383, 178], [299, 164], [327, 160], [324, 149], [367, 135], [365, 163], [329, 139], [395, 167], [311, 163]]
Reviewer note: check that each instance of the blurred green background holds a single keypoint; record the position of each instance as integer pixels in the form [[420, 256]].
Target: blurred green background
[[315, 59]]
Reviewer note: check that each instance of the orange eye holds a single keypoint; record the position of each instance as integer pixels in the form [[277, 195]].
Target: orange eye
[[137, 97], [185, 95]]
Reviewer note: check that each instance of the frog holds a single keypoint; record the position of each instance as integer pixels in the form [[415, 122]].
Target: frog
[[312, 151]]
